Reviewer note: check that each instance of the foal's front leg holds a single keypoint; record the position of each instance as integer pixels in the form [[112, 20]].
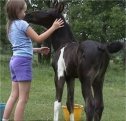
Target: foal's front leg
[[70, 97], [59, 84]]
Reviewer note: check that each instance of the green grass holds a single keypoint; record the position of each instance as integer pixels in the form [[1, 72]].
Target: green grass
[[42, 95]]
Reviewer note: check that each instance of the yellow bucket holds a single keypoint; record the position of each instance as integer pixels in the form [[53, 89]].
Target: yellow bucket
[[77, 112]]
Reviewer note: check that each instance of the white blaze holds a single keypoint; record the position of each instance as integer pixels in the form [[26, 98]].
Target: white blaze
[[61, 64]]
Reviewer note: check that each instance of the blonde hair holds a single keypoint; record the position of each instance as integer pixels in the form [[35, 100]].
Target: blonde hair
[[13, 8]]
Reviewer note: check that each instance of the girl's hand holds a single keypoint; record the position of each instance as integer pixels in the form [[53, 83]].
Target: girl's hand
[[58, 23], [44, 50]]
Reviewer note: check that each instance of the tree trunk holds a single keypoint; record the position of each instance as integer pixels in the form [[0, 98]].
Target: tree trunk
[[39, 54]]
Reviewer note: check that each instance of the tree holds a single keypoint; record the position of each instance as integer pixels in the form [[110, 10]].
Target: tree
[[98, 20], [3, 38]]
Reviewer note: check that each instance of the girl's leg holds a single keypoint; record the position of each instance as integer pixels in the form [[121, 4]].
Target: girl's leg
[[24, 89], [11, 101]]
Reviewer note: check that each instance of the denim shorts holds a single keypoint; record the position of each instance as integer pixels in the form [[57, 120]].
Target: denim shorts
[[21, 68]]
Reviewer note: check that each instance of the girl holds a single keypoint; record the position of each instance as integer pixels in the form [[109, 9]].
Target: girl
[[20, 34]]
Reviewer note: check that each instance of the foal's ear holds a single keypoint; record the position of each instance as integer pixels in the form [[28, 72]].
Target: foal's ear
[[59, 7]]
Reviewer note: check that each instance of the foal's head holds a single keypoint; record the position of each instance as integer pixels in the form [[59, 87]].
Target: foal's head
[[46, 18]]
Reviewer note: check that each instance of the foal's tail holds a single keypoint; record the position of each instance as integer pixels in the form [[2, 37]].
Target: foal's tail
[[111, 47], [114, 47]]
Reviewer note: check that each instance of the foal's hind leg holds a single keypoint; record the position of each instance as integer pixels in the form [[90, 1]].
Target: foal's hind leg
[[88, 97], [98, 98], [70, 97], [59, 84]]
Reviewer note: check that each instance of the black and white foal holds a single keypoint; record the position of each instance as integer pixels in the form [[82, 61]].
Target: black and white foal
[[87, 61]]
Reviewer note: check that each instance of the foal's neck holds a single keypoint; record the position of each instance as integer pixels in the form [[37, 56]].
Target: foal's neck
[[61, 37]]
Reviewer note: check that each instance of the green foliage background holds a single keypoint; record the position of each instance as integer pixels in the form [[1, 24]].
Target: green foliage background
[[100, 20]]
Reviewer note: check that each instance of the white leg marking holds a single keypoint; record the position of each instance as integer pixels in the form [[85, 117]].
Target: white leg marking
[[71, 117], [57, 106], [61, 64], [5, 119]]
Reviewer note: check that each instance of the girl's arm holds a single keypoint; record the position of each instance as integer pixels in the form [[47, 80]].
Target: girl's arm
[[36, 50], [40, 38]]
